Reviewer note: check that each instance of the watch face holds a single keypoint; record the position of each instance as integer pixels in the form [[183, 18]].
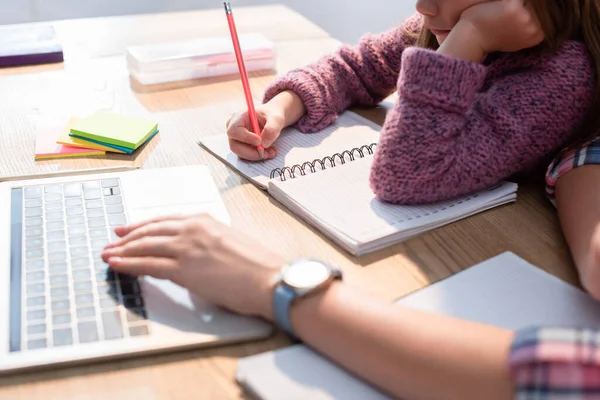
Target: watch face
[[306, 274]]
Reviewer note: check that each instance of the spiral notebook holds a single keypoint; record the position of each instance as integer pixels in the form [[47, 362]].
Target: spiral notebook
[[323, 177]]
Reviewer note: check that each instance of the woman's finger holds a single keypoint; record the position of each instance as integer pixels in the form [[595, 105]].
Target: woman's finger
[[160, 268], [124, 230], [168, 227], [241, 134], [245, 151], [149, 246]]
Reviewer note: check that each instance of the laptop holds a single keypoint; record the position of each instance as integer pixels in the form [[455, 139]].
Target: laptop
[[61, 303]]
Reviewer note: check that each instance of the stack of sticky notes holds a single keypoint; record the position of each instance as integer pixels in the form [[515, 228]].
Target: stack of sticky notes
[[95, 135], [114, 131]]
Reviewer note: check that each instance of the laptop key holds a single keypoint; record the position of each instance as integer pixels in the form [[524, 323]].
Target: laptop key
[[135, 315], [62, 337], [81, 274], [76, 230], [82, 287], [36, 288], [91, 185], [140, 330], [31, 222], [34, 253], [115, 191], [92, 194], [75, 220], [34, 242], [59, 292], [93, 204], [95, 213], [117, 220], [35, 276], [31, 265], [33, 203], [57, 268], [113, 328], [75, 210], [53, 197], [107, 183], [81, 262], [57, 245], [37, 329], [109, 302], [79, 251], [98, 233], [59, 280], [60, 305], [33, 192], [57, 256], [36, 344], [35, 231], [55, 226], [53, 189], [74, 201], [53, 215], [88, 332], [37, 301], [61, 319], [96, 222], [113, 200], [84, 299], [33, 212], [55, 235], [115, 209], [72, 190], [36, 315], [99, 244], [86, 312], [54, 206], [77, 240]]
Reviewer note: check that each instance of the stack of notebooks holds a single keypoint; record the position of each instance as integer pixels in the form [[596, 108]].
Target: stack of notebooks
[[323, 177], [95, 135]]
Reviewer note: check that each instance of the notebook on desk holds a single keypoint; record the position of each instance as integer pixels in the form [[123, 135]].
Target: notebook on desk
[[323, 177], [505, 291]]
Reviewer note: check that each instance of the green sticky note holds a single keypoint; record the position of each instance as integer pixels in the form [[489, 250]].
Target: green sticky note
[[115, 129]]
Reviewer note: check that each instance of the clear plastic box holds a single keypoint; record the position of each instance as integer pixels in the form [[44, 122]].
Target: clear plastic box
[[198, 58]]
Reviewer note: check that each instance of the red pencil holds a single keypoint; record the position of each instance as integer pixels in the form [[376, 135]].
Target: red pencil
[[243, 74]]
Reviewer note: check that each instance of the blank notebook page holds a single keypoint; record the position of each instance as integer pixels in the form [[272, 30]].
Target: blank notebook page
[[341, 199], [294, 147]]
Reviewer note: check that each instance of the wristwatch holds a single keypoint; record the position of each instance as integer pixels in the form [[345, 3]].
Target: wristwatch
[[299, 279]]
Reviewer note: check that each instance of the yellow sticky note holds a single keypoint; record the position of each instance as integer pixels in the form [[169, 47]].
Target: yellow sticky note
[[67, 140]]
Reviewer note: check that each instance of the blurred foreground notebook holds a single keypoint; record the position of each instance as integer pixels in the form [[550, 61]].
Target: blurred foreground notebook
[[323, 177], [504, 291], [29, 45], [116, 131], [46, 146]]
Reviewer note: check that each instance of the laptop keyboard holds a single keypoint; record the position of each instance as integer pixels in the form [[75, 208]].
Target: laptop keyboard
[[62, 293]]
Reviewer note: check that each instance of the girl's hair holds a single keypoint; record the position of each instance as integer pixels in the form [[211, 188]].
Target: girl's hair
[[561, 20]]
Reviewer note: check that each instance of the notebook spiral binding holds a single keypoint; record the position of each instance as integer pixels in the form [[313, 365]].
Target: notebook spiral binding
[[332, 161]]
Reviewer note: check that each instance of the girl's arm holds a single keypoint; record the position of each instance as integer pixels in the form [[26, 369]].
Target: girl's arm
[[361, 75], [577, 196], [449, 135]]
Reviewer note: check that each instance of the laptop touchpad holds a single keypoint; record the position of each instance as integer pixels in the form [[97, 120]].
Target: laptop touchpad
[[156, 192]]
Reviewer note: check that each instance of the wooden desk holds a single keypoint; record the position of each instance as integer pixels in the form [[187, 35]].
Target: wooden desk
[[94, 76]]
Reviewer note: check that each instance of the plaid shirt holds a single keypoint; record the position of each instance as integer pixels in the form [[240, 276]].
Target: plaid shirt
[[558, 363], [571, 159]]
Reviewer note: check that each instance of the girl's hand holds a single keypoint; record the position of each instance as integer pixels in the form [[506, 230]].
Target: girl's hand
[[203, 255], [502, 25], [283, 110], [243, 142]]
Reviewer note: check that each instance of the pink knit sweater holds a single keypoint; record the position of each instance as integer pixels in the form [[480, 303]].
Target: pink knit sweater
[[456, 126]]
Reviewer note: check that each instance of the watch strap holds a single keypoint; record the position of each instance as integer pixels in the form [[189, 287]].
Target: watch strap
[[282, 301]]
